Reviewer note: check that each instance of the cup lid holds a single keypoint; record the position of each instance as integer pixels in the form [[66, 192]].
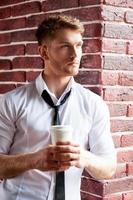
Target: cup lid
[[61, 127]]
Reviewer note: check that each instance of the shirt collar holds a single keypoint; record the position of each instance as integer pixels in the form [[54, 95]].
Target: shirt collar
[[41, 85]]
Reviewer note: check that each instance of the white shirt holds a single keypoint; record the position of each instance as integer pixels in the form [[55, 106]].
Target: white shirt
[[25, 121]]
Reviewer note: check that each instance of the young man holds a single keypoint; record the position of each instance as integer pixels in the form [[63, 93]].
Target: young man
[[28, 161]]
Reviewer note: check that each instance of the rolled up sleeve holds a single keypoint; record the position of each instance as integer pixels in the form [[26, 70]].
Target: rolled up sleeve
[[100, 139], [7, 124]]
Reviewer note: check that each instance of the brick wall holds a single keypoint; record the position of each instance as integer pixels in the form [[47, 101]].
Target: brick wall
[[106, 68], [117, 82]]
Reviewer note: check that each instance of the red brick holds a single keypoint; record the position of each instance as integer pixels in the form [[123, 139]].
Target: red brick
[[30, 76], [35, 20], [86, 196], [118, 94], [121, 125], [12, 76], [9, 2], [6, 88], [91, 61], [125, 156], [113, 197], [5, 38], [92, 46], [88, 77], [127, 140], [118, 62], [92, 186], [10, 24], [130, 110], [97, 90], [121, 171], [26, 35], [109, 78], [56, 4], [116, 140], [89, 2], [12, 50], [32, 49], [130, 48], [112, 14], [126, 79], [130, 168], [86, 174], [117, 109], [93, 30], [129, 17], [121, 3], [5, 64], [26, 8], [5, 12], [86, 14], [118, 185], [130, 3], [128, 196], [113, 46], [27, 62], [118, 31]]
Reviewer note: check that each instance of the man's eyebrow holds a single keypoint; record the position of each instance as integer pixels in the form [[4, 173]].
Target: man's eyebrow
[[65, 42]]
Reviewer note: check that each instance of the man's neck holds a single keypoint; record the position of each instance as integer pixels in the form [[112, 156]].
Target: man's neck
[[56, 85]]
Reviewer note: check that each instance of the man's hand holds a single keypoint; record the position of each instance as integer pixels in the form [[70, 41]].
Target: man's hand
[[66, 154], [59, 157], [52, 158]]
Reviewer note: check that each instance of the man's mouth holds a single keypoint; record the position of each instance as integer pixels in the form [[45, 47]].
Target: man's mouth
[[73, 63]]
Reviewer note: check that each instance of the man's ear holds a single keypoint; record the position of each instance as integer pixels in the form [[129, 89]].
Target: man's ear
[[43, 52]]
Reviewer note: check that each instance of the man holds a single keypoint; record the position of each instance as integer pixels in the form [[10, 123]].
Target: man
[[28, 161]]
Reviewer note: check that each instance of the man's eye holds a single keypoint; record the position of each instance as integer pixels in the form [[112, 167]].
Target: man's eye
[[65, 46]]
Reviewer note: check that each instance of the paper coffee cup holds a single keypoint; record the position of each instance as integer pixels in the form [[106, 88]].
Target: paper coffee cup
[[61, 133]]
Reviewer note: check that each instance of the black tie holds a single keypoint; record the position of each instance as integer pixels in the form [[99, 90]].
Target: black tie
[[60, 176]]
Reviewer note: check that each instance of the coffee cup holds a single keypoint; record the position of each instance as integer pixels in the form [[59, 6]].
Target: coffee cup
[[61, 133]]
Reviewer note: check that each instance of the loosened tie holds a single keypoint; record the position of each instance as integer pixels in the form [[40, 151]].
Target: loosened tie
[[60, 176]]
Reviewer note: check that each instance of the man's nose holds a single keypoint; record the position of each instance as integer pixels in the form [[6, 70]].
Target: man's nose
[[74, 52]]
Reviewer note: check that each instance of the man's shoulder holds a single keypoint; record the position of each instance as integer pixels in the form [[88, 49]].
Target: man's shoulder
[[19, 94], [21, 90], [89, 98], [86, 92]]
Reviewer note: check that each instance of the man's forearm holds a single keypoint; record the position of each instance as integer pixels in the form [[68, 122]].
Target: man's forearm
[[13, 165], [43, 160], [100, 167]]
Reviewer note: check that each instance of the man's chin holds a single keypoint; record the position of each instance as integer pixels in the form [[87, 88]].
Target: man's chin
[[74, 71]]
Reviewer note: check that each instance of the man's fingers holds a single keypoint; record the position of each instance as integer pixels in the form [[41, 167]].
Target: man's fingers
[[67, 143], [64, 157], [67, 149], [57, 166]]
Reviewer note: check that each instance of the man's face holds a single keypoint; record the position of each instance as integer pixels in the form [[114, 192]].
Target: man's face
[[64, 53]]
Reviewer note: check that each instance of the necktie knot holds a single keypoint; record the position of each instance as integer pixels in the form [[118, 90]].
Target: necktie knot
[[56, 107], [49, 101]]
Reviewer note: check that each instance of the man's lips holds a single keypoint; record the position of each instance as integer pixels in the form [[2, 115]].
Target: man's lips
[[73, 63]]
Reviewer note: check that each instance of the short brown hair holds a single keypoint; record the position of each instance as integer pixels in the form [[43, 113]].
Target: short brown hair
[[52, 23]]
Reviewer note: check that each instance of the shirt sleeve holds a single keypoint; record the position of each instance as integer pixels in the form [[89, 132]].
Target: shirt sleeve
[[7, 125], [100, 139]]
